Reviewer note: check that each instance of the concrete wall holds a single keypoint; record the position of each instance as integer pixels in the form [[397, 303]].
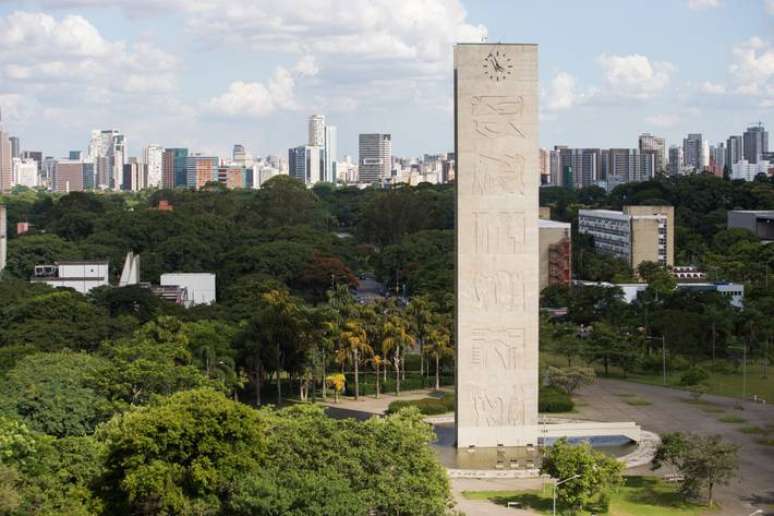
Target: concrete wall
[[496, 129], [200, 286]]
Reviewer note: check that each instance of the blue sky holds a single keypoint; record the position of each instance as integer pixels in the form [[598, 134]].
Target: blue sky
[[210, 73]]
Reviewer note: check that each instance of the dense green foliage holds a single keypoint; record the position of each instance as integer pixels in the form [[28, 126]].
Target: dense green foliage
[[553, 399], [427, 406]]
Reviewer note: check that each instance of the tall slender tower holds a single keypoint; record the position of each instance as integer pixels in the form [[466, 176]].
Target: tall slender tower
[[496, 129]]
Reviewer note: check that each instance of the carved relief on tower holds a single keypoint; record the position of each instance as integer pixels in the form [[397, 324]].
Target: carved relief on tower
[[496, 290], [499, 232], [498, 116], [497, 175], [497, 349]]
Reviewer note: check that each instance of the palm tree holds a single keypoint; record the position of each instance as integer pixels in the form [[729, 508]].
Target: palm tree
[[396, 338], [280, 322], [354, 346], [376, 361], [438, 346], [420, 313]]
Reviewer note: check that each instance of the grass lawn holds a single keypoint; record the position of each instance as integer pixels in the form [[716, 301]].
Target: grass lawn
[[732, 419], [639, 496], [723, 384]]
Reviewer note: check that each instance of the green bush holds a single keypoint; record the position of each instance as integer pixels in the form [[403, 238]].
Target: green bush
[[427, 406], [552, 399], [694, 376], [722, 366], [679, 363]]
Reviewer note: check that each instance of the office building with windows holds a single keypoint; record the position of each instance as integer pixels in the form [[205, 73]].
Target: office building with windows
[[375, 157], [635, 235]]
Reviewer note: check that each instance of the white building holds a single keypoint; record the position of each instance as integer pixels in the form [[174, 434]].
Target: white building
[[81, 276], [107, 150], [329, 170], [747, 171], [317, 130], [25, 172], [734, 292], [153, 163], [200, 286]]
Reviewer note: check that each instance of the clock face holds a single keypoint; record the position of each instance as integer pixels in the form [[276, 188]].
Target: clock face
[[497, 66]]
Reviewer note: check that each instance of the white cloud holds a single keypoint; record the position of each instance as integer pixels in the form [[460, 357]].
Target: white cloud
[[635, 75], [712, 88], [663, 120], [698, 5], [38, 48], [256, 100], [752, 69], [562, 93]]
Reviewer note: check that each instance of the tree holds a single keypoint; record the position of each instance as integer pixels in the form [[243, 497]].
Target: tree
[[337, 382], [377, 362], [703, 460], [55, 393], [396, 339], [419, 310], [570, 379], [154, 361], [438, 346], [354, 348], [210, 344], [597, 473], [27, 251], [605, 344], [180, 456]]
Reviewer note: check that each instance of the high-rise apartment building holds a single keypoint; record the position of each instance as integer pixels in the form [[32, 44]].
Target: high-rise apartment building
[[718, 159], [6, 157], [696, 152], [375, 161], [34, 155], [71, 176], [239, 155], [154, 164], [173, 168], [734, 146], [329, 169], [635, 235], [201, 170], [544, 166], [107, 150], [305, 164], [676, 163], [135, 176], [656, 144], [25, 172], [755, 143], [15, 147], [317, 131]]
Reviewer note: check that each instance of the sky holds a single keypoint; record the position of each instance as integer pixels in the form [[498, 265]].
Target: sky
[[207, 74]]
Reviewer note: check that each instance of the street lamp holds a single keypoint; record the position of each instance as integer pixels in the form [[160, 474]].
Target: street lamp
[[663, 354], [558, 483], [744, 368]]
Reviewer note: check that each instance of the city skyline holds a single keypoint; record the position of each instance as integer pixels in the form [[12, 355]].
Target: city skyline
[[376, 67]]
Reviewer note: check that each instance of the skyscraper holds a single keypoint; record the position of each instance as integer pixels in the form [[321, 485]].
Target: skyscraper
[[676, 163], [734, 146], [154, 162], [173, 171], [695, 152], [201, 170], [107, 150], [238, 154], [6, 156], [15, 148], [317, 130], [656, 144], [329, 170], [755, 143], [718, 159], [304, 164], [375, 163]]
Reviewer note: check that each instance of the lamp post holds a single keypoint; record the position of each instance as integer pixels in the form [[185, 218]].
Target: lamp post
[[663, 354], [744, 368], [557, 484]]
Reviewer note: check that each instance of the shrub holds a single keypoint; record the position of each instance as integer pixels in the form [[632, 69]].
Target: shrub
[[427, 406], [679, 363], [553, 399], [722, 366], [694, 376]]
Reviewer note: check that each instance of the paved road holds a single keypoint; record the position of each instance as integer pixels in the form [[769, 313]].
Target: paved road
[[669, 412], [369, 290]]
